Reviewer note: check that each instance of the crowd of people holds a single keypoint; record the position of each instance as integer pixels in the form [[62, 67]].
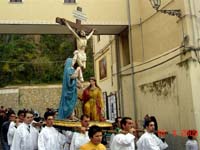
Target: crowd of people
[[27, 131]]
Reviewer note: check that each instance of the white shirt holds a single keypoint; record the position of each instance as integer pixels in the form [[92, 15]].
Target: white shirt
[[191, 145], [111, 139], [50, 139], [123, 142], [149, 141], [23, 139], [11, 131], [78, 140]]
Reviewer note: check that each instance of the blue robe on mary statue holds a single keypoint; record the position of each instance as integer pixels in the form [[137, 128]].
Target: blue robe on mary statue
[[69, 92]]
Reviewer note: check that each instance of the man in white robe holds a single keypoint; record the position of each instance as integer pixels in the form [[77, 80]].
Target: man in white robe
[[11, 131], [125, 139], [149, 141], [49, 138], [13, 126], [26, 136], [81, 138]]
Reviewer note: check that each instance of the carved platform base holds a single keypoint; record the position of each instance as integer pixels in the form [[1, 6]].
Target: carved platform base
[[71, 124]]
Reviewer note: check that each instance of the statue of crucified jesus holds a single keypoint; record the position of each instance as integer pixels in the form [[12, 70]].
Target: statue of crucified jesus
[[73, 75], [81, 42]]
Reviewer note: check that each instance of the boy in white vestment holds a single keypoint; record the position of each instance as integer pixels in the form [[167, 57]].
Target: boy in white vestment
[[26, 136], [49, 138], [11, 131], [125, 139], [81, 138], [13, 126], [149, 141]]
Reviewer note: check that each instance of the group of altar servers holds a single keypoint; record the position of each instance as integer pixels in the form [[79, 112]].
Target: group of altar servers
[[25, 135], [30, 135]]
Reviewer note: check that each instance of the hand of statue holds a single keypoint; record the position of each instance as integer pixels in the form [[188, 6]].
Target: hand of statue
[[79, 84], [74, 75], [102, 112]]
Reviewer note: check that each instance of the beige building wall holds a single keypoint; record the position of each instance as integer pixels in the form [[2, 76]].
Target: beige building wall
[[45, 12], [195, 75], [192, 21], [153, 32], [105, 48], [166, 73], [163, 35], [150, 64], [165, 88]]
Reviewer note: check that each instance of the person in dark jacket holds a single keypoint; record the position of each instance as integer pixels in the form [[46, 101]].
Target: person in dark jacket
[[4, 130]]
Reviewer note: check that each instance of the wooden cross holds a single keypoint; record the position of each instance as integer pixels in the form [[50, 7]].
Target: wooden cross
[[79, 17]]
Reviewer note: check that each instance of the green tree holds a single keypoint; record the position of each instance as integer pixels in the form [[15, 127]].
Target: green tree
[[23, 60]]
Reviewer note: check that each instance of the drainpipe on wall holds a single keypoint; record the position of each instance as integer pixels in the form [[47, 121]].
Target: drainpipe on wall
[[141, 31], [93, 54], [131, 59], [193, 17], [119, 81], [111, 54]]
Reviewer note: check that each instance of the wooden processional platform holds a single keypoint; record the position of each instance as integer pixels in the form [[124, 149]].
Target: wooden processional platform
[[73, 124]]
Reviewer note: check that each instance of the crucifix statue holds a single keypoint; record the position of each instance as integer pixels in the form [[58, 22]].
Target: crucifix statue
[[81, 40], [73, 66]]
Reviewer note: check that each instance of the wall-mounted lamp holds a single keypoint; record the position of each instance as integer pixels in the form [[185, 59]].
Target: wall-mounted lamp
[[156, 4]]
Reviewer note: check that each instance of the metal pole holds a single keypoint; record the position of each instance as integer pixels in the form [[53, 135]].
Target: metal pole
[[119, 81]]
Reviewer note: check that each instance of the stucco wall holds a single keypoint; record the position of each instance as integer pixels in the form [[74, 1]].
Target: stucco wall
[[165, 91], [154, 33], [127, 90], [105, 48], [39, 12], [195, 76], [159, 92]]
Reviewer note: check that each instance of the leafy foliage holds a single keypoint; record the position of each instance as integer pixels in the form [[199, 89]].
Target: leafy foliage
[[37, 59]]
